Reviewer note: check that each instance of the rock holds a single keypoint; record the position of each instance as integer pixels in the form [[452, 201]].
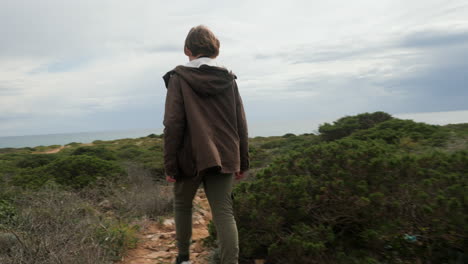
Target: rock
[[106, 205], [156, 254], [169, 222], [197, 248], [7, 241]]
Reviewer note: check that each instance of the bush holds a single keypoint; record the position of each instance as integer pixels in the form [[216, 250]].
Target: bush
[[129, 152], [352, 201], [7, 213], [74, 171], [152, 135], [116, 237], [35, 160], [392, 131], [287, 135], [347, 125], [54, 226], [100, 152]]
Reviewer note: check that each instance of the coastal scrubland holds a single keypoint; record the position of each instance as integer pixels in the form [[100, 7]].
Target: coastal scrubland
[[368, 188]]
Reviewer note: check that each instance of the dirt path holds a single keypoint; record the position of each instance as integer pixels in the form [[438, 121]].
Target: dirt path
[[157, 240], [56, 150], [52, 151]]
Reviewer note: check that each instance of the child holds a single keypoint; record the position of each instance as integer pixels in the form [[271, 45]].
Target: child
[[205, 141]]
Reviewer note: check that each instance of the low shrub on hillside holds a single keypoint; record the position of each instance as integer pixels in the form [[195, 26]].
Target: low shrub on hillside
[[7, 213], [55, 226], [35, 160], [129, 152], [352, 201], [100, 152], [116, 237], [152, 135], [347, 125], [74, 171], [393, 131]]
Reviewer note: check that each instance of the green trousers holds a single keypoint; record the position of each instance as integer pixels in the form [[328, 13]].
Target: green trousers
[[218, 189]]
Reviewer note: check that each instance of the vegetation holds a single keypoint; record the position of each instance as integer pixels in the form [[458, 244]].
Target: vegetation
[[388, 193], [369, 188], [347, 125], [80, 205]]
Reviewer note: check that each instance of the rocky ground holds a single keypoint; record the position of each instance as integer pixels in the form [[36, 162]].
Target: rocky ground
[[157, 239]]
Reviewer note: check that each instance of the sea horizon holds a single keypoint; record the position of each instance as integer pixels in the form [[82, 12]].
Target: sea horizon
[[258, 128], [78, 137]]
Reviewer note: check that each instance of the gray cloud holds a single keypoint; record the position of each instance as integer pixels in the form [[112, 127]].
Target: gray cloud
[[432, 38], [442, 87], [163, 48], [317, 54], [8, 91], [97, 65]]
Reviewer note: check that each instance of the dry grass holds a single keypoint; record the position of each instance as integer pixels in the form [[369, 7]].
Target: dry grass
[[86, 227], [141, 196], [54, 226]]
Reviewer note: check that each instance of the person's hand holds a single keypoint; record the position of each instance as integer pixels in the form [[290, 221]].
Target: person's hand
[[240, 175], [170, 178]]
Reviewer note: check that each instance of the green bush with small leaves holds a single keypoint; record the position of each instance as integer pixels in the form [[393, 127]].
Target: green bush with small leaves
[[353, 201], [73, 171], [347, 125], [35, 160], [392, 131], [7, 213], [100, 152], [116, 237]]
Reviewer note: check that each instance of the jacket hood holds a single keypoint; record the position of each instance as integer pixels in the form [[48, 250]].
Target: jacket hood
[[205, 80]]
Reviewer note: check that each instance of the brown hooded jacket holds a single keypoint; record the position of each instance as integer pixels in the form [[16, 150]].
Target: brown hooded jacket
[[204, 122]]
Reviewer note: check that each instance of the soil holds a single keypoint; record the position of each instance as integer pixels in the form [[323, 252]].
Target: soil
[[157, 239], [52, 151], [56, 150]]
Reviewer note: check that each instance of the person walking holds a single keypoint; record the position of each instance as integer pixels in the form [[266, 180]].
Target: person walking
[[205, 141]]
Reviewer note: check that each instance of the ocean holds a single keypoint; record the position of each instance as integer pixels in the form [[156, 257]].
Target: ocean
[[65, 138]]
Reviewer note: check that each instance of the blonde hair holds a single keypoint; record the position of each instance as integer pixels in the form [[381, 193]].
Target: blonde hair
[[202, 42]]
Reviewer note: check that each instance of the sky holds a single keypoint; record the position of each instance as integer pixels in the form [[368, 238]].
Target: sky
[[97, 65]]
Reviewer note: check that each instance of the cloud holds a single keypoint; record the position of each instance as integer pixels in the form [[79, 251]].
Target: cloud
[[437, 118], [163, 48], [8, 91], [87, 65], [432, 38]]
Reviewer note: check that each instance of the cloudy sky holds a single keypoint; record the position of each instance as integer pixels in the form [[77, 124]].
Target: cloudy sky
[[94, 65]]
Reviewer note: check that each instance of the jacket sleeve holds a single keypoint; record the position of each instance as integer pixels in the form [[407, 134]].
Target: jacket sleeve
[[174, 126], [242, 131]]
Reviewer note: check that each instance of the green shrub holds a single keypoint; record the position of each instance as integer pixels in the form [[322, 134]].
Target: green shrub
[[459, 129], [152, 135], [288, 135], [35, 160], [129, 152], [116, 237], [273, 144], [100, 152], [345, 126], [74, 171], [7, 213], [392, 131], [73, 144], [352, 201]]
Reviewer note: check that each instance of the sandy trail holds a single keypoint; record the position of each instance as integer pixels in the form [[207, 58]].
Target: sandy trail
[[157, 240], [56, 150], [52, 151]]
